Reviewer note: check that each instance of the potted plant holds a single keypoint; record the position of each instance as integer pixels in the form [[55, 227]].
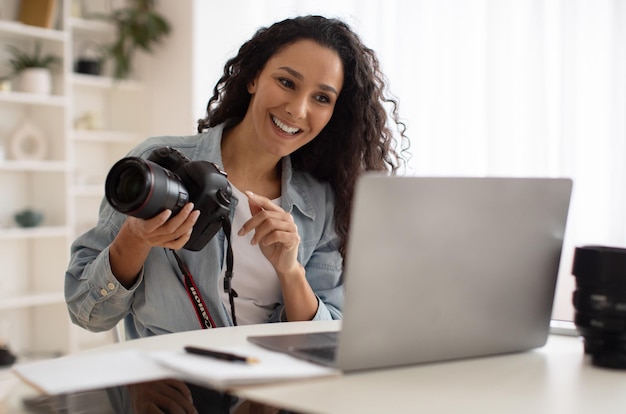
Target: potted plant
[[32, 71], [139, 26]]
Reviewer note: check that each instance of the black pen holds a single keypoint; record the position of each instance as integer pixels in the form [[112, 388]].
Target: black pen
[[224, 356]]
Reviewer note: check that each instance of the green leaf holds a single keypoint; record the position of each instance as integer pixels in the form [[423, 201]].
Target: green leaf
[[21, 60], [138, 27]]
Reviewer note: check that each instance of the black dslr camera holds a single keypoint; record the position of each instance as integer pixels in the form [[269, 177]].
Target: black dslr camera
[[600, 303], [167, 179]]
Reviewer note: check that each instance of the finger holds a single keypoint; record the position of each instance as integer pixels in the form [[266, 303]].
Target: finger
[[161, 224], [287, 239], [270, 226], [181, 387], [259, 202], [176, 221], [261, 218], [174, 239], [143, 227], [175, 397], [185, 227], [157, 221], [165, 396]]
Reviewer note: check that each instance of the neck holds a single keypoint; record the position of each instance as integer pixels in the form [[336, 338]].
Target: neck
[[247, 168]]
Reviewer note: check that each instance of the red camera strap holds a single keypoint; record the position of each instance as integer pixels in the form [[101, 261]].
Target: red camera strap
[[202, 311]]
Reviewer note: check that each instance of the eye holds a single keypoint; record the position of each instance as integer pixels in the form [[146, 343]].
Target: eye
[[286, 83], [322, 99]]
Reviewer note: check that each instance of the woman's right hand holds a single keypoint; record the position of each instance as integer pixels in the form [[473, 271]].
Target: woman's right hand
[[165, 396], [161, 231], [131, 246]]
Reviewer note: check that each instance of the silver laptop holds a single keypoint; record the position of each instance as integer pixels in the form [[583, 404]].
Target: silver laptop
[[443, 268]]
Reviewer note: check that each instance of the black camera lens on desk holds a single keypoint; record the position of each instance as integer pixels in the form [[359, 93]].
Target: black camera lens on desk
[[600, 303], [167, 179]]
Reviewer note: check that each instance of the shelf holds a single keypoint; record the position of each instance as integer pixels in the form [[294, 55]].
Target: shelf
[[27, 301], [33, 166], [19, 30], [68, 184], [90, 190], [91, 26], [104, 82], [105, 136], [32, 99], [19, 233]]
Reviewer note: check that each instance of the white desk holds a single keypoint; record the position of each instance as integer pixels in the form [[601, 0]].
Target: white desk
[[554, 379]]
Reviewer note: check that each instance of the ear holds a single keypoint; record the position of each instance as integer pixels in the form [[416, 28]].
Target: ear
[[252, 86]]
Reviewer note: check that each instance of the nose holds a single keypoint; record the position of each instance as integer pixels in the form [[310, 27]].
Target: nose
[[297, 107]]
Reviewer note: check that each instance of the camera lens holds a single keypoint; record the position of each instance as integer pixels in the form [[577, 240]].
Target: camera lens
[[143, 189], [600, 303], [131, 184]]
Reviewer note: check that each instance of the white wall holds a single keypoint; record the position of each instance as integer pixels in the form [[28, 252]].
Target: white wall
[[169, 74], [220, 29], [486, 87]]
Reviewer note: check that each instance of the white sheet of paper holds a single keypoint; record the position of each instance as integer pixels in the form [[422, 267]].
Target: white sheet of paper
[[75, 373], [272, 366]]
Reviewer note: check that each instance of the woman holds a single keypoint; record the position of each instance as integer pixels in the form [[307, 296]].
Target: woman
[[296, 117]]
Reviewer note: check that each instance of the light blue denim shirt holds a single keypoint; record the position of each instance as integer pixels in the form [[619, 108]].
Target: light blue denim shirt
[[158, 302]]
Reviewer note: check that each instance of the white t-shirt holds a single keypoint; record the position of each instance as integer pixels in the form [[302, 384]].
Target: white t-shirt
[[254, 278]]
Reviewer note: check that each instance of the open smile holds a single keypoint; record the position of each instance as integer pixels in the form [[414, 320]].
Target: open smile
[[284, 127]]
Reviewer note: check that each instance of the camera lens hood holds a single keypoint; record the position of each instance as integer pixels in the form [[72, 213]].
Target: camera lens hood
[[600, 265]]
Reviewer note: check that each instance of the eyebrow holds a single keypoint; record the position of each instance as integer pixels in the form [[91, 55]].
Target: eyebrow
[[299, 76]]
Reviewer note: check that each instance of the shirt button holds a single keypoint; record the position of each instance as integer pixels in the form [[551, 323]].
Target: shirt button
[[104, 292], [111, 286]]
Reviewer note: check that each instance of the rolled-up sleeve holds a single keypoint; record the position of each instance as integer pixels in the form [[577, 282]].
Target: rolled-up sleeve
[[324, 273], [95, 299]]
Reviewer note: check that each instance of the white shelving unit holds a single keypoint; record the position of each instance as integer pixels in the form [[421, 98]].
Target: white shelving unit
[[67, 186]]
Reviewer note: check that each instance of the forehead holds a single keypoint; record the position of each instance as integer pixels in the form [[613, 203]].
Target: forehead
[[316, 63]]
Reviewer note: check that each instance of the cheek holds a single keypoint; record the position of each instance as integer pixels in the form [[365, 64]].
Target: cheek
[[264, 98], [321, 119]]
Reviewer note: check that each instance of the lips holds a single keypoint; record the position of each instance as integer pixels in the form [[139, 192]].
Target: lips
[[284, 127]]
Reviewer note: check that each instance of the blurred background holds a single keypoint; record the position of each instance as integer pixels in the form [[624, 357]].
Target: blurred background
[[486, 87]]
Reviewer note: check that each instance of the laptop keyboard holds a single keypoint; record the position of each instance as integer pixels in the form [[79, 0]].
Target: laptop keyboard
[[319, 353]]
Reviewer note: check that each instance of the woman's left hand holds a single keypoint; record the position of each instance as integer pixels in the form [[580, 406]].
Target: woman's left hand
[[275, 232]]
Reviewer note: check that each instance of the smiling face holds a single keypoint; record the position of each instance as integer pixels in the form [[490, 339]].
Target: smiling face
[[293, 97]]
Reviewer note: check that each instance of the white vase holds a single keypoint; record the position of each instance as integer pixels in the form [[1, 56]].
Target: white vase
[[34, 80]]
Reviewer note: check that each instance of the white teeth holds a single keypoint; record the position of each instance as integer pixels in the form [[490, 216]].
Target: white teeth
[[285, 128]]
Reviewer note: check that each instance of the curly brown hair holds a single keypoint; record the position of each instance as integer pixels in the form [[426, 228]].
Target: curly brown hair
[[357, 138]]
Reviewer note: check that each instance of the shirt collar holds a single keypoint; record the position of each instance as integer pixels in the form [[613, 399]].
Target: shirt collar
[[294, 192]]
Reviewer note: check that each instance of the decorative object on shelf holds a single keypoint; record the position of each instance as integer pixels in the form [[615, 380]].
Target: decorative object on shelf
[[28, 218], [32, 71], [139, 26], [28, 143], [6, 356], [37, 12], [77, 9], [5, 84], [90, 59], [88, 66], [34, 80], [89, 120]]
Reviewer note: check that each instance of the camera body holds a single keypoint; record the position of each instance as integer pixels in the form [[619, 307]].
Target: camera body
[[600, 303], [167, 179]]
